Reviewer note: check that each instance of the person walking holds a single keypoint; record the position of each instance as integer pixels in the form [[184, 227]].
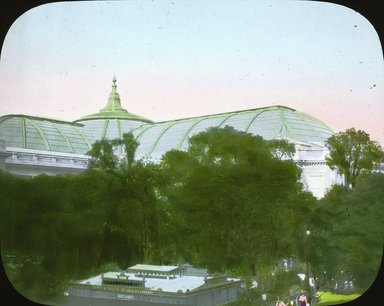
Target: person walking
[[302, 300]]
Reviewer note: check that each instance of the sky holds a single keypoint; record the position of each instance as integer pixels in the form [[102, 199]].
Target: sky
[[177, 59]]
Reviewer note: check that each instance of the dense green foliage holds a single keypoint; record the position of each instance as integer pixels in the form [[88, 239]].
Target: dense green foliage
[[232, 202], [348, 233], [353, 153]]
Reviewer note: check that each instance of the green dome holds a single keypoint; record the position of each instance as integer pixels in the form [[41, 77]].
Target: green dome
[[113, 110]]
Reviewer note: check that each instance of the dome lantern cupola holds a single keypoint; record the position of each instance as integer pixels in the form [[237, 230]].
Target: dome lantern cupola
[[113, 109]]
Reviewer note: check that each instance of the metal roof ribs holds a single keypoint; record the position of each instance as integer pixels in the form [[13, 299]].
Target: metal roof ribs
[[310, 126], [83, 136], [105, 128], [63, 135], [254, 118], [23, 133], [284, 125], [187, 132], [158, 138], [37, 128]]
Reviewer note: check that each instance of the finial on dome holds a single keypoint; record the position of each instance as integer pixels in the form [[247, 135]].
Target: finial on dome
[[113, 100]]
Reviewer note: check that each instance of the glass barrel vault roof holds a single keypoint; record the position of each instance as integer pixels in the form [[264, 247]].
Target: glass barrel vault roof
[[268, 122], [35, 133], [155, 139]]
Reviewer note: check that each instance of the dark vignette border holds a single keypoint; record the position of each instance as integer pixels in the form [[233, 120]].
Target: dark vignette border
[[10, 11]]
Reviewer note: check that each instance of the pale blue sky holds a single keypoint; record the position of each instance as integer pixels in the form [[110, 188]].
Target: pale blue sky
[[175, 59]]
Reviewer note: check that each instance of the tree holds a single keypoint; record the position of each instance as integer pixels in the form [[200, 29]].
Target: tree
[[104, 153], [364, 229], [102, 156], [51, 230], [349, 231], [129, 144], [327, 252], [56, 228], [352, 153], [282, 149], [233, 203], [134, 213]]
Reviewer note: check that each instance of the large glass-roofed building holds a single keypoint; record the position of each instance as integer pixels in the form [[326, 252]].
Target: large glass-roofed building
[[33, 145]]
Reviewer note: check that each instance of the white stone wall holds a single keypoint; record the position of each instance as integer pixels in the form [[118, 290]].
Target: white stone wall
[[317, 177], [26, 162]]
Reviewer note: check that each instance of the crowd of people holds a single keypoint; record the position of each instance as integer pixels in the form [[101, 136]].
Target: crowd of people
[[302, 300]]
